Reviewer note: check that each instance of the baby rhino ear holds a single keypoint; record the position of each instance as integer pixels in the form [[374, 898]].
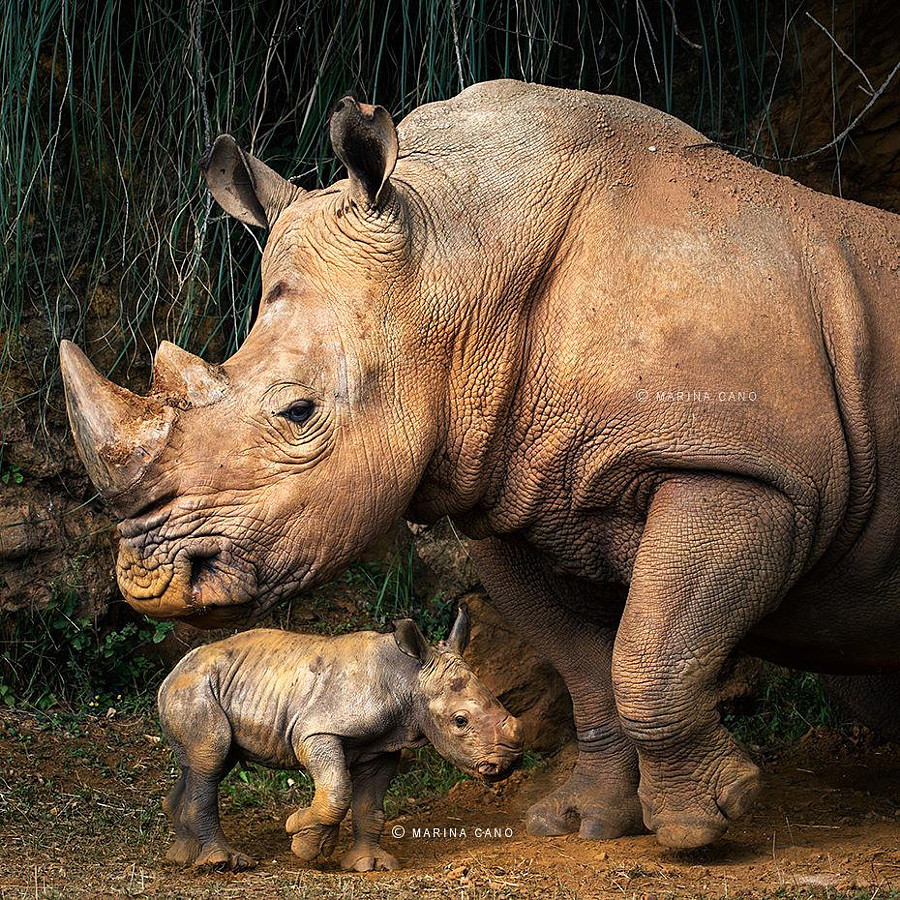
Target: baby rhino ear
[[411, 641], [365, 141]]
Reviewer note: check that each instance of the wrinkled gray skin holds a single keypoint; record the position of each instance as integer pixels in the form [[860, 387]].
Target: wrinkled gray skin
[[343, 708], [507, 327]]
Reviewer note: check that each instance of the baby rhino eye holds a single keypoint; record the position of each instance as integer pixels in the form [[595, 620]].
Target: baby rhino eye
[[461, 721], [298, 412]]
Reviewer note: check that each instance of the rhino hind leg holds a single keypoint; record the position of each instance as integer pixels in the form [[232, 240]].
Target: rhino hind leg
[[599, 800], [714, 559], [872, 699], [370, 782], [202, 744]]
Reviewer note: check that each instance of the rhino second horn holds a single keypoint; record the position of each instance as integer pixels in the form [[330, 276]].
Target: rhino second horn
[[117, 433], [186, 380]]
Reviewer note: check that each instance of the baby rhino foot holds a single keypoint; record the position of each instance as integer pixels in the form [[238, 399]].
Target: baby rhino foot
[[314, 840], [589, 806], [183, 852], [222, 857], [692, 809], [368, 859]]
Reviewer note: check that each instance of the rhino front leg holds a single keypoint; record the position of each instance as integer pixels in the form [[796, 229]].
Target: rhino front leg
[[558, 617], [315, 827], [370, 782], [715, 557]]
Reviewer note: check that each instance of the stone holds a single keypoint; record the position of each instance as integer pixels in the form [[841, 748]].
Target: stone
[[527, 685]]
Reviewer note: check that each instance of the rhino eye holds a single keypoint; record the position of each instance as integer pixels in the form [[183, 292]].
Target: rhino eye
[[298, 412], [461, 721]]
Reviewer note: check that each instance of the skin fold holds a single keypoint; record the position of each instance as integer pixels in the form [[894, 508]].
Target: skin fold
[[654, 385], [342, 708]]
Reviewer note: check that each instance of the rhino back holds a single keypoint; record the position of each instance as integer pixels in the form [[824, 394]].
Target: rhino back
[[277, 687]]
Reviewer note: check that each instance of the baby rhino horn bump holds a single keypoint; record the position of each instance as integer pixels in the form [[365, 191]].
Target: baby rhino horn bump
[[182, 379], [458, 639], [117, 433]]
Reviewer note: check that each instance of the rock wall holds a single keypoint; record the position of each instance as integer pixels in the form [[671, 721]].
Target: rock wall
[[830, 91]]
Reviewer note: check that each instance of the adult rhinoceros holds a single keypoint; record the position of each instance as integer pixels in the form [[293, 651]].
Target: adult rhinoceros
[[611, 356]]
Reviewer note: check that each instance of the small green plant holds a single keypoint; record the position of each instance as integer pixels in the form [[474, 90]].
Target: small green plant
[[56, 656], [784, 706], [253, 787], [392, 595], [424, 776], [12, 474], [372, 595], [7, 695]]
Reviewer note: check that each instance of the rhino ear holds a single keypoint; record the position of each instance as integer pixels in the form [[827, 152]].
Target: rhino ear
[[243, 186], [411, 641], [365, 141]]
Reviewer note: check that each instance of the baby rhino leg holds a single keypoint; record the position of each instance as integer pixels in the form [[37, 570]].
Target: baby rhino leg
[[202, 744], [315, 828], [370, 782]]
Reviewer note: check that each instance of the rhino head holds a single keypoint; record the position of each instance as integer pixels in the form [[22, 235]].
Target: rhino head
[[463, 720], [240, 483]]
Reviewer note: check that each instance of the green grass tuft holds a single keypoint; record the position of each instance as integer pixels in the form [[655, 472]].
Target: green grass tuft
[[109, 235]]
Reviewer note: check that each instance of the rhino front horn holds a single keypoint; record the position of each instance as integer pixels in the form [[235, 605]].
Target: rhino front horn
[[117, 433]]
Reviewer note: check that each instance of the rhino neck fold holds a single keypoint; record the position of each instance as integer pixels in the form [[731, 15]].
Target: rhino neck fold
[[494, 258]]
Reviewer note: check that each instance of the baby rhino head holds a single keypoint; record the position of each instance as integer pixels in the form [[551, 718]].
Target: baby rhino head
[[458, 714]]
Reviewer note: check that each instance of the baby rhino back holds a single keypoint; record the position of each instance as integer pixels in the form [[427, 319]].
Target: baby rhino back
[[265, 690]]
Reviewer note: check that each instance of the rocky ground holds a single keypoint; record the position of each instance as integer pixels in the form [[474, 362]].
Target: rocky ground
[[80, 817]]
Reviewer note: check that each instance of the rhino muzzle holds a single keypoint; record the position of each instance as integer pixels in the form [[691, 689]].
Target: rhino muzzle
[[507, 752], [199, 580], [492, 771]]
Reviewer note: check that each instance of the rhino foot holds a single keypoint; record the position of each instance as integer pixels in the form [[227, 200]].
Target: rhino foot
[[184, 851], [586, 804], [368, 859], [690, 809], [222, 857], [314, 840]]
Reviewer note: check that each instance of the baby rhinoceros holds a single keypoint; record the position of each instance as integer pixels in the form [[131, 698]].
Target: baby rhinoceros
[[343, 708]]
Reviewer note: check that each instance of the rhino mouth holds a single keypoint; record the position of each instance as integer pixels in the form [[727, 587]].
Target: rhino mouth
[[491, 771], [200, 580]]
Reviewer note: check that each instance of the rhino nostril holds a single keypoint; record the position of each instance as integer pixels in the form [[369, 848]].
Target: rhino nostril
[[201, 568]]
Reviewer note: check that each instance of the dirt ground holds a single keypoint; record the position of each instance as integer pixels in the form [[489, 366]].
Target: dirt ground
[[80, 817]]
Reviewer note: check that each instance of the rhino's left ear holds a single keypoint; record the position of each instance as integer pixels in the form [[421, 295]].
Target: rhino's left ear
[[365, 141], [458, 639], [411, 641], [243, 186]]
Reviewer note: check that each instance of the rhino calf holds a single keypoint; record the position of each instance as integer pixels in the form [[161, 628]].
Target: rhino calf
[[341, 707]]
